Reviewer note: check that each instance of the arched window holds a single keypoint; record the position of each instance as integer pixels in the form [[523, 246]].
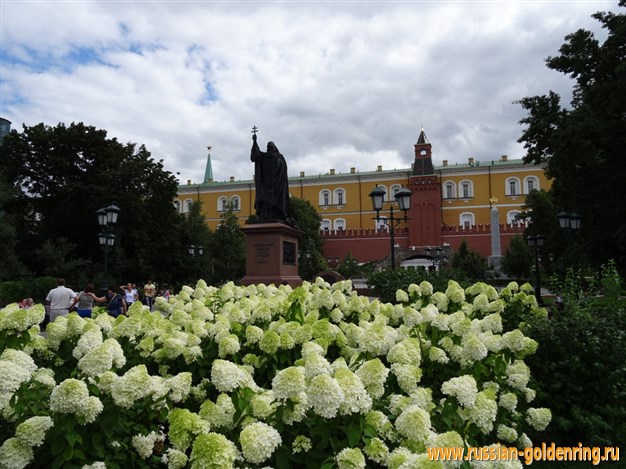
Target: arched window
[[449, 190], [530, 183], [339, 224], [510, 217], [324, 198], [177, 206], [466, 189], [466, 220], [339, 197], [512, 186], [235, 201], [222, 204], [394, 190], [325, 225], [187, 205]]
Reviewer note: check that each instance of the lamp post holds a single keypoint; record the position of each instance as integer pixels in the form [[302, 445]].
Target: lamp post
[[403, 199], [195, 250], [107, 218], [570, 222], [536, 242], [437, 256]]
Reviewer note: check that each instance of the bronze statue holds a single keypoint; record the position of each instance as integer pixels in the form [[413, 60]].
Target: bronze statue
[[270, 179]]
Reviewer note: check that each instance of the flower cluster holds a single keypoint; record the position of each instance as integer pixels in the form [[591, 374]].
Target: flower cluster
[[266, 375]]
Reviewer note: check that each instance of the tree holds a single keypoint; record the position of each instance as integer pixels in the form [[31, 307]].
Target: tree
[[349, 266], [229, 249], [60, 176], [583, 145], [469, 262], [517, 260], [311, 244], [197, 233]]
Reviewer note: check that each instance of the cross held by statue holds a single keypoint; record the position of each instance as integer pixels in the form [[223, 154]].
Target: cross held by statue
[[254, 129]]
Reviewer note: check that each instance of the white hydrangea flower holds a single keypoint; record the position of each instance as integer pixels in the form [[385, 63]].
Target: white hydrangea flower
[[407, 352], [402, 296], [350, 458], [72, 397], [95, 465], [356, 398], [414, 424], [484, 412], [463, 388], [441, 322], [88, 341], [325, 396], [407, 376], [438, 355], [144, 444], [258, 442], [228, 345], [506, 433], [134, 385], [301, 444], [315, 364], [376, 450], [14, 453], [298, 410], [33, 431], [289, 383], [538, 418], [219, 414], [518, 375], [508, 401], [102, 358], [44, 376], [440, 300], [373, 374], [179, 386], [175, 459], [16, 367], [473, 349], [378, 337], [227, 376], [426, 288], [454, 292]]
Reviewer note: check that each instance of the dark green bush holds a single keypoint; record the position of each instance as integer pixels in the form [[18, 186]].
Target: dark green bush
[[15, 290], [580, 366]]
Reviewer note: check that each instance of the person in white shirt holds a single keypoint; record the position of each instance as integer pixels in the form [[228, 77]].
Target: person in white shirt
[[130, 295], [59, 300]]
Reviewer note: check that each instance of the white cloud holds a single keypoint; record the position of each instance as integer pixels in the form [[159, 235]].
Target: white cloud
[[335, 84]]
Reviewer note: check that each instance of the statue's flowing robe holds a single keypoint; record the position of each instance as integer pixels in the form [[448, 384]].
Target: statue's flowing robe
[[272, 187]]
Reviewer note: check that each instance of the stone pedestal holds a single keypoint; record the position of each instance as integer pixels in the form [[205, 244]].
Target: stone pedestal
[[271, 254]]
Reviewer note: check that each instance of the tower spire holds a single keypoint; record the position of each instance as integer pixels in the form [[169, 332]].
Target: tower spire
[[208, 172]]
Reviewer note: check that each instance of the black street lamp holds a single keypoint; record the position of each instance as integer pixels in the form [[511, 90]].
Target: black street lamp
[[107, 218], [536, 242], [403, 199], [437, 256], [570, 222], [195, 250]]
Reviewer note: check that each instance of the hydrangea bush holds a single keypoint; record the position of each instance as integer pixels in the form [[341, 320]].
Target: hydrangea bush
[[264, 376]]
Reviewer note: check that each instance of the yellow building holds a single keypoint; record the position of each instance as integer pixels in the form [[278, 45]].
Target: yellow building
[[342, 199]]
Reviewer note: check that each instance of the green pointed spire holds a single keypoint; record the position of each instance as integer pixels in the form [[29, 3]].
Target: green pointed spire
[[208, 173]]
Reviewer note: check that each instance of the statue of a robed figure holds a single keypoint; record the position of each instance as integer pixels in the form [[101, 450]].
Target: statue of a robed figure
[[271, 184]]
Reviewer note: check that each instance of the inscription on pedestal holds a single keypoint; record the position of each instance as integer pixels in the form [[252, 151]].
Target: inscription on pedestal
[[262, 253]]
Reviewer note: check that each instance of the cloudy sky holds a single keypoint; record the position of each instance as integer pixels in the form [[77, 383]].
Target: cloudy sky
[[335, 84]]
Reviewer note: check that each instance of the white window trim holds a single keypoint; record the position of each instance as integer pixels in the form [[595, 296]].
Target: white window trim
[[220, 205], [535, 179], [326, 224], [507, 187], [321, 198], [471, 189], [235, 201], [339, 221], [445, 190], [336, 196], [472, 221], [510, 217], [178, 205], [186, 204]]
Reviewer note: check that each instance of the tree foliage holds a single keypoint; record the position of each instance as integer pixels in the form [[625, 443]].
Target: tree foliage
[[311, 243], [517, 260], [583, 145], [469, 263], [229, 249], [60, 176]]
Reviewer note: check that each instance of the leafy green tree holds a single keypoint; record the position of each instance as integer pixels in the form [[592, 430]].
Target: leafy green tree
[[197, 233], [60, 176], [583, 145], [517, 260], [469, 262], [349, 266], [311, 243], [10, 265], [229, 249]]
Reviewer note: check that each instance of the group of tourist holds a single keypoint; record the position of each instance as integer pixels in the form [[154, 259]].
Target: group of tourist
[[117, 300]]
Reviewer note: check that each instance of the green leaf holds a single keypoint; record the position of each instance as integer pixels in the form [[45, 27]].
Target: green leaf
[[354, 434], [58, 445], [68, 453]]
